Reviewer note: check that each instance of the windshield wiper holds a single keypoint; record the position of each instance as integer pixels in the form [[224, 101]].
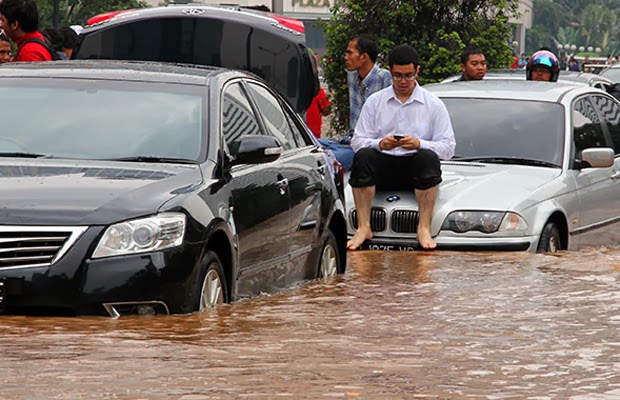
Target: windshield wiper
[[507, 160], [24, 155], [153, 159]]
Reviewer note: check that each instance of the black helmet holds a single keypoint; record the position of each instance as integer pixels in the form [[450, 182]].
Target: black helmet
[[543, 58]]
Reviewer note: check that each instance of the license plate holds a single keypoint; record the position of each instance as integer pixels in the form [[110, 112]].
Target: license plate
[[390, 247], [2, 294]]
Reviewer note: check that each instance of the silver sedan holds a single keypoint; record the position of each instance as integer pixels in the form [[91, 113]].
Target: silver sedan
[[537, 168]]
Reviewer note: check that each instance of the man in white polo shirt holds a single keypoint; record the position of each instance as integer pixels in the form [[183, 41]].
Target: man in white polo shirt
[[402, 133]]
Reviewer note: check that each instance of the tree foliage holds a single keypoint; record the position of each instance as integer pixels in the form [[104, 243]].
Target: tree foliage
[[77, 12], [438, 29]]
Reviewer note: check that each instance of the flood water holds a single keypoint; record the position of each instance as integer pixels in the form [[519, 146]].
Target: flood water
[[439, 325]]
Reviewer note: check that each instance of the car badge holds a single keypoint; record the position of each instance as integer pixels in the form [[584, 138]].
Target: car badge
[[193, 11], [392, 198]]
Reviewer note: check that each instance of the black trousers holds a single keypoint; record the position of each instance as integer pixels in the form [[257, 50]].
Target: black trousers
[[421, 170]]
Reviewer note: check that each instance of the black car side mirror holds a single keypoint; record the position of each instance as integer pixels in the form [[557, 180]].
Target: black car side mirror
[[255, 149]]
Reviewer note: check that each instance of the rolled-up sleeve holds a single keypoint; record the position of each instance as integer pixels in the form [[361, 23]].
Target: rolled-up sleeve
[[443, 142]]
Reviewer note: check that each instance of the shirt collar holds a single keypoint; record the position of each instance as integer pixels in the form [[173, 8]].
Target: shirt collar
[[415, 96]]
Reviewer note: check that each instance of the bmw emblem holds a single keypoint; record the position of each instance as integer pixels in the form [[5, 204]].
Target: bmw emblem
[[392, 198]]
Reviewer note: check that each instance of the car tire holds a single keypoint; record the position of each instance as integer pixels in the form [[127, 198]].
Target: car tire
[[329, 259], [211, 288], [550, 240]]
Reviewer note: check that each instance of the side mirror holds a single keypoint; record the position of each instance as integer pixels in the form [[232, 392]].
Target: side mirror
[[255, 149], [597, 157]]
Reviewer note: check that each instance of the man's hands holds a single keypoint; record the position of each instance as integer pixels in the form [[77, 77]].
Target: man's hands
[[406, 142]]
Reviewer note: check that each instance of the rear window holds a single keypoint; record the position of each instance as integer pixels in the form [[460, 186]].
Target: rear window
[[205, 41]]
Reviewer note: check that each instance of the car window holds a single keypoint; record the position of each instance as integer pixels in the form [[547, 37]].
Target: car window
[[273, 115], [612, 74], [238, 118], [101, 119], [302, 137], [507, 128], [610, 111], [587, 128]]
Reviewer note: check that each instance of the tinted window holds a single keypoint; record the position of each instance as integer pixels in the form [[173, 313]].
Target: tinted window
[[611, 117], [587, 128], [507, 128], [238, 118], [274, 118], [97, 119], [208, 41]]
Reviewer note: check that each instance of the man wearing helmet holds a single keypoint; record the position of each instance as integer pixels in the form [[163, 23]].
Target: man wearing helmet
[[542, 66]]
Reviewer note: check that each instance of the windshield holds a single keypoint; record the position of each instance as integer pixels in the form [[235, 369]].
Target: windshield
[[507, 128], [92, 119], [612, 74]]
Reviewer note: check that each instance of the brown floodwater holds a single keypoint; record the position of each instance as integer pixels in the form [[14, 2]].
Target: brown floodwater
[[440, 325]]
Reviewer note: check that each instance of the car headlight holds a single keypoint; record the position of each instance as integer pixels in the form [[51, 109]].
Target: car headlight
[[142, 235], [483, 221]]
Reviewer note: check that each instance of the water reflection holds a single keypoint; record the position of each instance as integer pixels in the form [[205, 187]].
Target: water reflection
[[396, 326]]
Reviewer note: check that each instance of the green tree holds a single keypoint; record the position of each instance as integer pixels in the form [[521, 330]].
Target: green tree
[[79, 11], [439, 30]]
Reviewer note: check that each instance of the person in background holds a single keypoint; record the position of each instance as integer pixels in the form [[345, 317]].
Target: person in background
[[573, 65], [319, 108], [364, 77], [522, 63], [20, 21], [402, 133], [473, 65], [69, 39], [542, 66], [5, 48]]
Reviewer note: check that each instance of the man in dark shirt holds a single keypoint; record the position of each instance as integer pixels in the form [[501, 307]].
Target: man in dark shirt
[[473, 64], [20, 21]]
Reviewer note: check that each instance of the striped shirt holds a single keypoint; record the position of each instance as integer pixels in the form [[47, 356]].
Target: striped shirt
[[377, 79]]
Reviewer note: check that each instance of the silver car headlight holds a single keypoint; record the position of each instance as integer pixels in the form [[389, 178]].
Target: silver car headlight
[[142, 235], [483, 221]]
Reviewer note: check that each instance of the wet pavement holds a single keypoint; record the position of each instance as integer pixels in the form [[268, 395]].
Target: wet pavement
[[423, 325]]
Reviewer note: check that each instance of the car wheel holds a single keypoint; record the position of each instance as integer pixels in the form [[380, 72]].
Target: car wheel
[[550, 241], [211, 289], [329, 262]]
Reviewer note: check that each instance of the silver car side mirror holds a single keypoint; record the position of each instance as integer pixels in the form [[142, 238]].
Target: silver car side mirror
[[598, 157]]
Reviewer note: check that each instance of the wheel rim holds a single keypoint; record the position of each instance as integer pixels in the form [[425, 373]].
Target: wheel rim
[[212, 293], [329, 262], [553, 244]]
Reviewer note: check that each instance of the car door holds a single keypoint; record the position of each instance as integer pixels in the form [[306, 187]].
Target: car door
[[304, 168], [598, 193], [260, 201]]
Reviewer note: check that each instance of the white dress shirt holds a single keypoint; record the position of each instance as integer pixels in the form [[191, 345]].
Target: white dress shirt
[[423, 116]]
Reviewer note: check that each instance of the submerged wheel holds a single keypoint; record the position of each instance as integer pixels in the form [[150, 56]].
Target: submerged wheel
[[212, 288], [550, 241], [329, 261]]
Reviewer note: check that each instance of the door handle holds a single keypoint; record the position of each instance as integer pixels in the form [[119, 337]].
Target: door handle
[[615, 175], [282, 184]]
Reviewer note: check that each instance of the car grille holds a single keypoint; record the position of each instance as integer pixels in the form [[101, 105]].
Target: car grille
[[377, 219], [404, 221], [35, 246], [401, 221]]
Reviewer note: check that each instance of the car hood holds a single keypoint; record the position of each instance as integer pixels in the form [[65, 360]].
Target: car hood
[[477, 186], [53, 192]]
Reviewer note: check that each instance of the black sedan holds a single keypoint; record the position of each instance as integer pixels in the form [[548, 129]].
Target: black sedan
[[132, 187]]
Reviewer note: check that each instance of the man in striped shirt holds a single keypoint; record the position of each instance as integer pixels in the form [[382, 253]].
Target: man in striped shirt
[[364, 77]]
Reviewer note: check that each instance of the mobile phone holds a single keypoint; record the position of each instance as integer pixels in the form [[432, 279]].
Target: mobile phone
[[398, 137]]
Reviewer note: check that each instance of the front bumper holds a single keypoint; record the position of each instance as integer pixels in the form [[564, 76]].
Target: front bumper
[[78, 285], [523, 243]]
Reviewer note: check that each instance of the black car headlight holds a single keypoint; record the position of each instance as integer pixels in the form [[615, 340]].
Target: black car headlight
[[483, 221], [142, 235]]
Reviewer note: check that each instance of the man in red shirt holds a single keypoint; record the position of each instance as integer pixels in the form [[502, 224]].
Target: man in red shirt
[[319, 107], [20, 21]]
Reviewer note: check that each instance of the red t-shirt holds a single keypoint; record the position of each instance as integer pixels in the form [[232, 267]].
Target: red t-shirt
[[313, 113], [31, 51]]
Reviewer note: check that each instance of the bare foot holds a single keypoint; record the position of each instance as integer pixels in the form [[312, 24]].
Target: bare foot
[[425, 240], [362, 235]]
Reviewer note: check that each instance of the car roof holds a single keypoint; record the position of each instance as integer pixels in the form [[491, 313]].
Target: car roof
[[508, 89], [149, 71], [220, 12], [584, 78]]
